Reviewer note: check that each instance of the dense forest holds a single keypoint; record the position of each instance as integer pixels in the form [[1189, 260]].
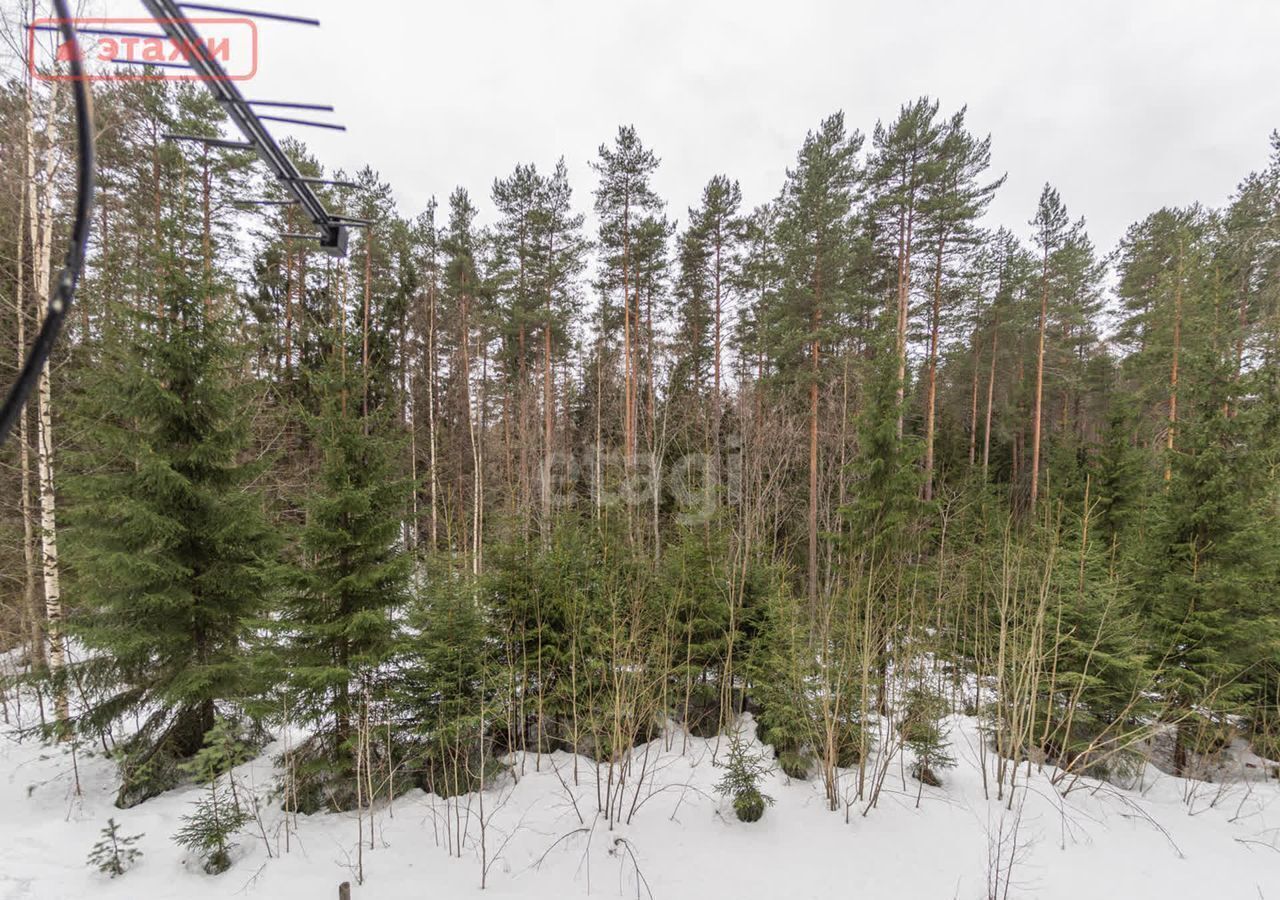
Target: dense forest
[[540, 484]]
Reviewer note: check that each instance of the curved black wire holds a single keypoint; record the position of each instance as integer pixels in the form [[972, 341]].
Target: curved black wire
[[65, 288]]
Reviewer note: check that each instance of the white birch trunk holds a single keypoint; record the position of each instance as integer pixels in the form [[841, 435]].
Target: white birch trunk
[[40, 202], [35, 625]]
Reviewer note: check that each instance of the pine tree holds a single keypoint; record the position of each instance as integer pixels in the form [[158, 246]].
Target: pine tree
[[519, 198], [1015, 267], [1078, 356], [1051, 231], [381, 313], [954, 199], [562, 252], [650, 273], [424, 380], [723, 230], [814, 236], [903, 162], [623, 199], [758, 282], [466, 296], [287, 305], [1165, 286]]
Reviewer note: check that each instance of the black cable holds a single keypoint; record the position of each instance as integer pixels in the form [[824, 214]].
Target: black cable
[[65, 288]]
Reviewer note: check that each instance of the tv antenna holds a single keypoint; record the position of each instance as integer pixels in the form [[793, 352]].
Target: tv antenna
[[177, 26]]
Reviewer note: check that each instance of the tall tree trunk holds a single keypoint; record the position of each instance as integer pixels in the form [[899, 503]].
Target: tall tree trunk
[[973, 408], [206, 221], [342, 332], [477, 442], [35, 615], [655, 464], [364, 331], [548, 411], [156, 228], [431, 409], [413, 534], [598, 489], [906, 223], [1243, 320], [813, 441], [628, 426], [1036, 415], [932, 390], [991, 390], [715, 398], [524, 492], [1173, 369], [41, 224], [976, 346], [471, 431], [288, 313], [39, 203]]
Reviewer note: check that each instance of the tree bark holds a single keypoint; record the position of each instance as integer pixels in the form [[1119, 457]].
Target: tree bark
[[41, 225], [548, 403], [973, 408], [1173, 369], [813, 440], [431, 408], [628, 425], [35, 615], [991, 390], [906, 224], [932, 393], [1036, 416], [715, 399], [364, 331]]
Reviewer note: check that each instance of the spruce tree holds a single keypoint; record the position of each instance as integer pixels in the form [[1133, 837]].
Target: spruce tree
[[692, 363], [339, 623], [884, 516], [173, 557], [114, 853], [1213, 560], [745, 768], [446, 678]]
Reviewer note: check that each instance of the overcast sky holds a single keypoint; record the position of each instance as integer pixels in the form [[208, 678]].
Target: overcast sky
[[1124, 105]]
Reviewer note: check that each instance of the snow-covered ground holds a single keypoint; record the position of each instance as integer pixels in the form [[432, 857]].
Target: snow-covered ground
[[683, 840]]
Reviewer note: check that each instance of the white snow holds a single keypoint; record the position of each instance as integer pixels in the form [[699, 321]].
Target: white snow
[[1169, 839]]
